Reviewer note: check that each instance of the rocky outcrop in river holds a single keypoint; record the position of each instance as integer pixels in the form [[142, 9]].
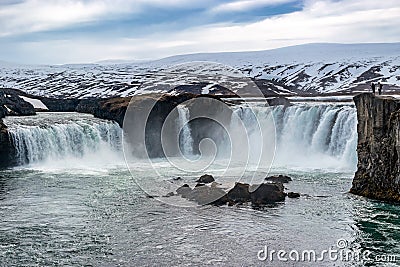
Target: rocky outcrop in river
[[241, 193], [378, 173]]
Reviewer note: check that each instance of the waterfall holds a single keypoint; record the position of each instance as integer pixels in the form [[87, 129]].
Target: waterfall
[[314, 136], [185, 136], [318, 136], [63, 136], [302, 135]]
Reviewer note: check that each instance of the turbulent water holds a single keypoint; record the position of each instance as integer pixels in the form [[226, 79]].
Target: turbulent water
[[72, 202], [324, 135], [50, 137], [304, 135], [186, 140]]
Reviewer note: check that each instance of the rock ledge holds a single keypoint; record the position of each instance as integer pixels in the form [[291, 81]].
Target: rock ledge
[[378, 148]]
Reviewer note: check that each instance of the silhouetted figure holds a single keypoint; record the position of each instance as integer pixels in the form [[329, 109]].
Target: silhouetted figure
[[379, 88], [373, 88]]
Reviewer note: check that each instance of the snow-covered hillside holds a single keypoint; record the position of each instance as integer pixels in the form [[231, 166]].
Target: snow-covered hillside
[[312, 68]]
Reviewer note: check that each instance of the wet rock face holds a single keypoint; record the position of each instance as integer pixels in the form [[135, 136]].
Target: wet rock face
[[293, 195], [104, 108], [206, 179], [378, 148], [184, 190], [266, 193], [2, 112], [5, 146], [203, 195], [279, 101], [241, 193], [156, 109], [60, 105], [110, 109]]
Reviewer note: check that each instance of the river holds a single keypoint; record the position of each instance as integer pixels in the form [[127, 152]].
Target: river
[[73, 202]]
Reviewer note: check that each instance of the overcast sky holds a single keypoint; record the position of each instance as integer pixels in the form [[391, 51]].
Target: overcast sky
[[76, 31]]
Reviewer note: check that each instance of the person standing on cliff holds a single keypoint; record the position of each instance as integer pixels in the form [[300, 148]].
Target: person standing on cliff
[[380, 88], [373, 88]]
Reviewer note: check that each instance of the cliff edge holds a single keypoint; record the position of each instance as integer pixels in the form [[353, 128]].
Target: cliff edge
[[378, 148]]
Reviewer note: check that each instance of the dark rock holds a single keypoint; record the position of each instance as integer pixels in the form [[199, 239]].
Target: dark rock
[[267, 87], [6, 148], [170, 194], [184, 190], [203, 127], [206, 179], [204, 195], [279, 101], [110, 109], [177, 178], [197, 88], [2, 112], [199, 184], [12, 104], [60, 105], [378, 147], [279, 179], [104, 108], [239, 193], [156, 109], [293, 195], [266, 193]]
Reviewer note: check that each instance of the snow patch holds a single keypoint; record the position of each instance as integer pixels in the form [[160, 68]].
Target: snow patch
[[36, 103], [312, 68]]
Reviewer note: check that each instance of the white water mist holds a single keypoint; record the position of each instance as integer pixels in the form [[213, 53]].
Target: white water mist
[[185, 137], [64, 136]]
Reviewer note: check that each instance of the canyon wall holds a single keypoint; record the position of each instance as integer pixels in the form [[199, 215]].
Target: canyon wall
[[378, 148]]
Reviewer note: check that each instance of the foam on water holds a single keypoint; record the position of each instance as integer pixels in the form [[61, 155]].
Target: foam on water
[[65, 140], [307, 136]]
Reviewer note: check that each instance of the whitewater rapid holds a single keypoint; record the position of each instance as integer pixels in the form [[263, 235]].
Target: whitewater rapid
[[316, 136], [310, 136], [185, 136], [66, 137]]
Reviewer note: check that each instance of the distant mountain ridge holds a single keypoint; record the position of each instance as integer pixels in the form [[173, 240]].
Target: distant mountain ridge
[[303, 69]]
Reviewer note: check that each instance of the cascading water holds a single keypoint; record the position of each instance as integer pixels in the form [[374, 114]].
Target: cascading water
[[307, 135], [185, 136], [317, 136], [64, 136]]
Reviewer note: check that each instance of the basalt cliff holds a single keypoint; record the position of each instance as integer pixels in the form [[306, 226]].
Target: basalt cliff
[[378, 170]]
